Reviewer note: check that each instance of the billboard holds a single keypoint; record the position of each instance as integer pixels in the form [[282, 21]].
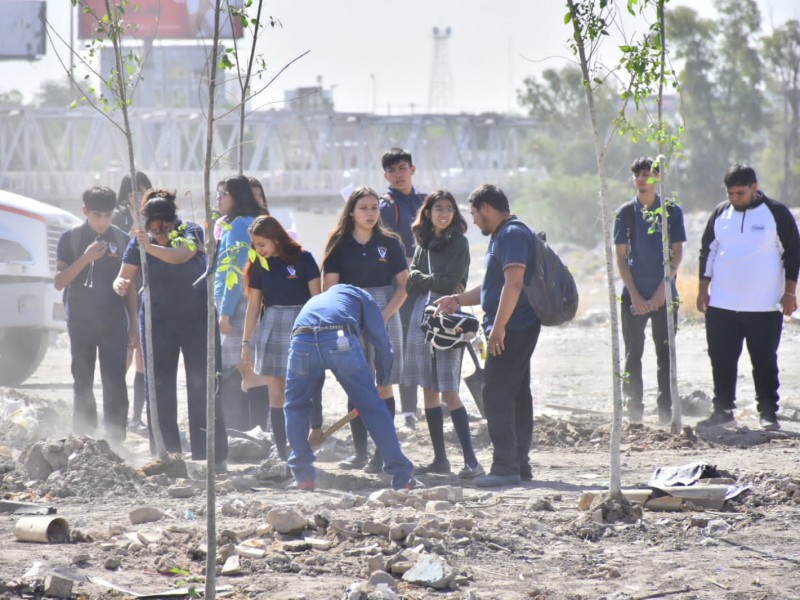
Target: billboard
[[164, 19], [22, 33]]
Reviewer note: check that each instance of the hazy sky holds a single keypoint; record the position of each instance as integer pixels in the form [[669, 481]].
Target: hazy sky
[[374, 52]]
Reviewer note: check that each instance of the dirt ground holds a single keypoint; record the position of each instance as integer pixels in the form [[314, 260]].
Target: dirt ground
[[448, 540]]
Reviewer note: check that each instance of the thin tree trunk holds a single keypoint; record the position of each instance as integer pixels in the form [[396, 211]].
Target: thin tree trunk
[[666, 246], [615, 483], [211, 324], [155, 427], [245, 84]]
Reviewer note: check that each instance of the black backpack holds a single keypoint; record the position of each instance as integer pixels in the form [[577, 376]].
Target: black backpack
[[445, 332], [549, 286]]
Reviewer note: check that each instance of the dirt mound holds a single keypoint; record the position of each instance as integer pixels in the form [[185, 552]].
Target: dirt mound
[[25, 418], [74, 466], [590, 434]]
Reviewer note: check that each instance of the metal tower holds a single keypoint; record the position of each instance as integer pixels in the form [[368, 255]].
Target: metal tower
[[441, 96]]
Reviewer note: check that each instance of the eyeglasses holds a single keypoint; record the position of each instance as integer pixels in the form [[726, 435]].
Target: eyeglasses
[[443, 209]]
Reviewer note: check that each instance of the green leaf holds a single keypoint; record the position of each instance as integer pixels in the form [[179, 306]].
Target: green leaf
[[231, 279], [567, 18], [251, 255], [264, 263]]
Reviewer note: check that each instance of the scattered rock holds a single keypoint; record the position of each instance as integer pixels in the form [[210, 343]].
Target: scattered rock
[[57, 587], [231, 566], [145, 514], [382, 577], [430, 571], [286, 520]]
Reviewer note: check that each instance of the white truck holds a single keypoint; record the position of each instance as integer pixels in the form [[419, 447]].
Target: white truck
[[31, 311]]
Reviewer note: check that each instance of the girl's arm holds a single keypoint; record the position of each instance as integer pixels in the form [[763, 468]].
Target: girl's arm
[[250, 320], [398, 297]]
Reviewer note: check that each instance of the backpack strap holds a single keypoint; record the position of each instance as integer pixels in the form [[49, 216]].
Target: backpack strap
[[388, 197], [74, 240]]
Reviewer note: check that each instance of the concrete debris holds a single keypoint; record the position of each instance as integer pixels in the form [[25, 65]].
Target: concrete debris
[[286, 520], [145, 514], [430, 571], [57, 587], [231, 566]]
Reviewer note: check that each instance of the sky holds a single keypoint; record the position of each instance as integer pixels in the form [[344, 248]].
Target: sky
[[378, 56]]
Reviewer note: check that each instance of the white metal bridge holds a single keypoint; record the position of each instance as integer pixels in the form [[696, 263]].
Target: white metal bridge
[[53, 155]]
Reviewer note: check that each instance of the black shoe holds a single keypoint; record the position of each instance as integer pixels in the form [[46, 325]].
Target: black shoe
[[357, 461], [441, 467], [664, 415], [718, 418], [526, 473], [769, 422], [375, 464]]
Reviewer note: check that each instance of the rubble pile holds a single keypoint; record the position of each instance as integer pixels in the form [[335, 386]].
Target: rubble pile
[[74, 466], [773, 490], [25, 419], [591, 434]]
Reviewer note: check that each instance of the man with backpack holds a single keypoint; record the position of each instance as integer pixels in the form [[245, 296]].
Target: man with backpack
[[512, 327], [100, 323], [640, 261], [399, 207]]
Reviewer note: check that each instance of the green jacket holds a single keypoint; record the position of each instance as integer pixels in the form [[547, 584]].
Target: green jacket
[[450, 268]]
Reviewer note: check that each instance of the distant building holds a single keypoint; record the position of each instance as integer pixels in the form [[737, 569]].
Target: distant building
[[309, 99]]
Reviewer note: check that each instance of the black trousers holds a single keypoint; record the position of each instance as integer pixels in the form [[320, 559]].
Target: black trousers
[[633, 336], [726, 332], [105, 338], [509, 403], [170, 340]]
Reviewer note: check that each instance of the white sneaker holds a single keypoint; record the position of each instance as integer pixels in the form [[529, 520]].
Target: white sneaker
[[471, 472]]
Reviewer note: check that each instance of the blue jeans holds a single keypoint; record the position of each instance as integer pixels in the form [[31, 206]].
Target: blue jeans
[[310, 354]]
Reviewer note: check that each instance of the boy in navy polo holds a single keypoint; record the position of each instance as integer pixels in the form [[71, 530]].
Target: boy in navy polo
[[399, 207], [641, 266], [100, 323]]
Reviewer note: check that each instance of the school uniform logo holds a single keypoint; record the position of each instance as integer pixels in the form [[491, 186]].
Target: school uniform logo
[[292, 272], [113, 250], [382, 250]]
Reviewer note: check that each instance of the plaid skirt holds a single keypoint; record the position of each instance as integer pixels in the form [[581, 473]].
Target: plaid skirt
[[382, 295], [430, 369], [273, 333], [231, 346]]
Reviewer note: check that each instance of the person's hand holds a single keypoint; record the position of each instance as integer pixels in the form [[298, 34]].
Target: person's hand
[[640, 305], [144, 240], [121, 285], [659, 298], [315, 437], [788, 303], [246, 360], [496, 343], [95, 250], [446, 304], [703, 298], [224, 324]]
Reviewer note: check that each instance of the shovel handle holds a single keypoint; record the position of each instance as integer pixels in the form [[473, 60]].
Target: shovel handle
[[338, 425]]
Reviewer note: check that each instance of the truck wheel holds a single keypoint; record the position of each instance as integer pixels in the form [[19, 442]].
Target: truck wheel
[[21, 352]]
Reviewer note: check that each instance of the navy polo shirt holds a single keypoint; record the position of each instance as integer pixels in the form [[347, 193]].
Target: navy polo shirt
[[646, 260], [98, 300], [172, 295], [373, 264], [511, 244], [284, 284]]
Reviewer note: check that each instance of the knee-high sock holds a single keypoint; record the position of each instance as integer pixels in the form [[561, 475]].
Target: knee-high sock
[[258, 403], [138, 397], [461, 425], [435, 419], [279, 431], [390, 404], [359, 432]]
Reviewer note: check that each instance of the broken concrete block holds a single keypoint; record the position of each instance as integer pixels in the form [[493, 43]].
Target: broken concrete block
[[382, 577], [462, 523], [318, 544], [401, 530], [232, 566], [286, 520], [57, 587], [434, 506], [388, 497], [145, 514], [430, 571], [374, 528], [249, 552], [376, 563], [180, 491]]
